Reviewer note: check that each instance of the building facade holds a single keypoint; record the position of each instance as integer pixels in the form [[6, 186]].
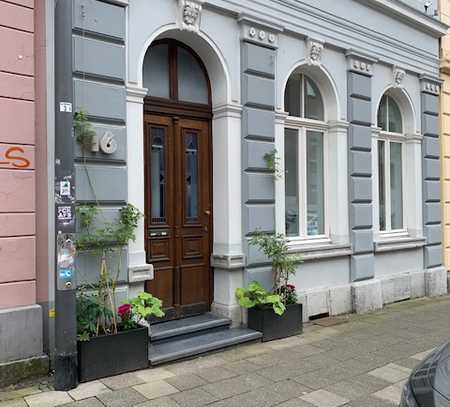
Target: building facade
[[198, 95], [444, 12], [318, 120], [24, 233]]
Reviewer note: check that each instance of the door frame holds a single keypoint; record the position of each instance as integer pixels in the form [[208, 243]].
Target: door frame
[[173, 108]]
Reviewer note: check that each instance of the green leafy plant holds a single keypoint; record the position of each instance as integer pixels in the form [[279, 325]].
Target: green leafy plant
[[255, 295], [111, 233], [84, 133], [146, 305], [273, 163]]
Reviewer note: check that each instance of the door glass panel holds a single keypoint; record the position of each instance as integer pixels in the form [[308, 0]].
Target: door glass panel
[[291, 181], [158, 174], [396, 186], [192, 84], [315, 180], [191, 152], [156, 71], [382, 185]]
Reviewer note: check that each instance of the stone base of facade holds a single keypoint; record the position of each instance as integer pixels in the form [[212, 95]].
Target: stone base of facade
[[14, 371], [371, 295], [24, 323], [436, 282], [234, 312]]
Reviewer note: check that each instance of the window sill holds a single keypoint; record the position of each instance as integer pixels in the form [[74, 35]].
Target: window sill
[[317, 251], [398, 243]]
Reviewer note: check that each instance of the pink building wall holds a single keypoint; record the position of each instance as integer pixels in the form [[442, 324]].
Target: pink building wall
[[17, 154]]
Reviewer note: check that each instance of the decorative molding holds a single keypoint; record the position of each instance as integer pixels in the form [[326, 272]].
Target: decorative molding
[[258, 31], [190, 12], [360, 63], [228, 261], [140, 273], [280, 117], [394, 244], [430, 84], [136, 94], [227, 110], [314, 51], [398, 75]]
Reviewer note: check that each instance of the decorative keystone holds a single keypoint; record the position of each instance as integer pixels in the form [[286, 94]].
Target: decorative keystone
[[190, 14], [398, 76], [314, 51]]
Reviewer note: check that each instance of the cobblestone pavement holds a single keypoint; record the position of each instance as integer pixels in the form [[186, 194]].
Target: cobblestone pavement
[[361, 363]]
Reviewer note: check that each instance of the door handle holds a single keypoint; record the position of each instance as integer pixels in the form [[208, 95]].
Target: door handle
[[158, 234], [207, 212]]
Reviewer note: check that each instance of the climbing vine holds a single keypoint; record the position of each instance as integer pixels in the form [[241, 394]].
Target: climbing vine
[[84, 133], [273, 163]]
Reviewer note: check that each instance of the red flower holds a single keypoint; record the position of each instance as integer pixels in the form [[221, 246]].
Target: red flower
[[124, 309]]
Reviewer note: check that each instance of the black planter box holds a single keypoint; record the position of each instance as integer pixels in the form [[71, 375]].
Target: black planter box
[[110, 355], [274, 326]]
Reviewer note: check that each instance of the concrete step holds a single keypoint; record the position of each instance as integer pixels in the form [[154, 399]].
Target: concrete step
[[187, 327], [185, 347]]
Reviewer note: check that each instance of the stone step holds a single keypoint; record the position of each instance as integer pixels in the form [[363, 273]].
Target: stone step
[[185, 347], [187, 326]]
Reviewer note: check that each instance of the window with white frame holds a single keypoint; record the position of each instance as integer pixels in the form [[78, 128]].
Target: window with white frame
[[390, 161], [304, 158]]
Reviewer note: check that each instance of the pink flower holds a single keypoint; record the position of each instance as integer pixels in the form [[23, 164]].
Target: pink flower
[[124, 309]]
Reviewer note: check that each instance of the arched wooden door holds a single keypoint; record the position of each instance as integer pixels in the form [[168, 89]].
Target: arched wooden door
[[178, 178]]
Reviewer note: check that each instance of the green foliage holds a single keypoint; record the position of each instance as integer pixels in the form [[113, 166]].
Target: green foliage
[[84, 134], [273, 163], [255, 295], [93, 317], [284, 264], [146, 305], [111, 233]]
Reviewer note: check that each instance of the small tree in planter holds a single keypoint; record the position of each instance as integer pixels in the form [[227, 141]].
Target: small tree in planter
[[276, 314], [111, 339]]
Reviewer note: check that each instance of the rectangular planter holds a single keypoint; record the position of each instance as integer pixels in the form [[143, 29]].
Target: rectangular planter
[[274, 326], [110, 355]]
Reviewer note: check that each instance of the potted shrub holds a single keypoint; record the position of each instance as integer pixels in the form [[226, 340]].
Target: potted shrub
[[276, 314], [111, 342]]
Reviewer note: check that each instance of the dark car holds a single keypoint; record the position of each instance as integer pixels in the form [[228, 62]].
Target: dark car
[[429, 384]]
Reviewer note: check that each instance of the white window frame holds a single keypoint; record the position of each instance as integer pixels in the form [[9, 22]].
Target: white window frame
[[391, 137], [302, 126]]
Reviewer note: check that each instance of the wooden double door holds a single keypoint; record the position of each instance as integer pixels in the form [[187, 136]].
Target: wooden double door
[[179, 212]]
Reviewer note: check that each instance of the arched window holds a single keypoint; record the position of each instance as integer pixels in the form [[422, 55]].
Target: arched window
[[390, 146], [304, 159], [174, 72]]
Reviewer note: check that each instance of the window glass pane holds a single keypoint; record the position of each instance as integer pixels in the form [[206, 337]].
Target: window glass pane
[[291, 181], [156, 71], [313, 101], [382, 185], [192, 84], [314, 179], [292, 96], [396, 186], [191, 145], [382, 114], [395, 117], [158, 174]]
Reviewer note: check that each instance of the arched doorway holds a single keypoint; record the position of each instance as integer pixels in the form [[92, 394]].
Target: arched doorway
[[178, 177]]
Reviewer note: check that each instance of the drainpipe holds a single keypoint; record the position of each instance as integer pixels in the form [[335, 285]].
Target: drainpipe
[[66, 375]]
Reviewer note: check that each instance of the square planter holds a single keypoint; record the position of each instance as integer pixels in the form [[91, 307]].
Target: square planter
[[110, 355], [274, 326]]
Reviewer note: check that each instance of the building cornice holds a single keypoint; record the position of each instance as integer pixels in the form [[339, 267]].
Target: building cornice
[[409, 15]]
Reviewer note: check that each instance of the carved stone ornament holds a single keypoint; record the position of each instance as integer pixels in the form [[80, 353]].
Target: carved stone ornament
[[314, 49], [399, 76], [190, 14], [431, 87]]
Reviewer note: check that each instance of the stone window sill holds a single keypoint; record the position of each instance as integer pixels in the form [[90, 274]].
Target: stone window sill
[[320, 251], [398, 243]]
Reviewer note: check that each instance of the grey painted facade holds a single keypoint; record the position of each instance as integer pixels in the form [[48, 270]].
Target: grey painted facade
[[249, 48]]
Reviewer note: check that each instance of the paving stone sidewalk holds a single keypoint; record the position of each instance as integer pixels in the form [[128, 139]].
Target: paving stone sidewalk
[[361, 363]]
